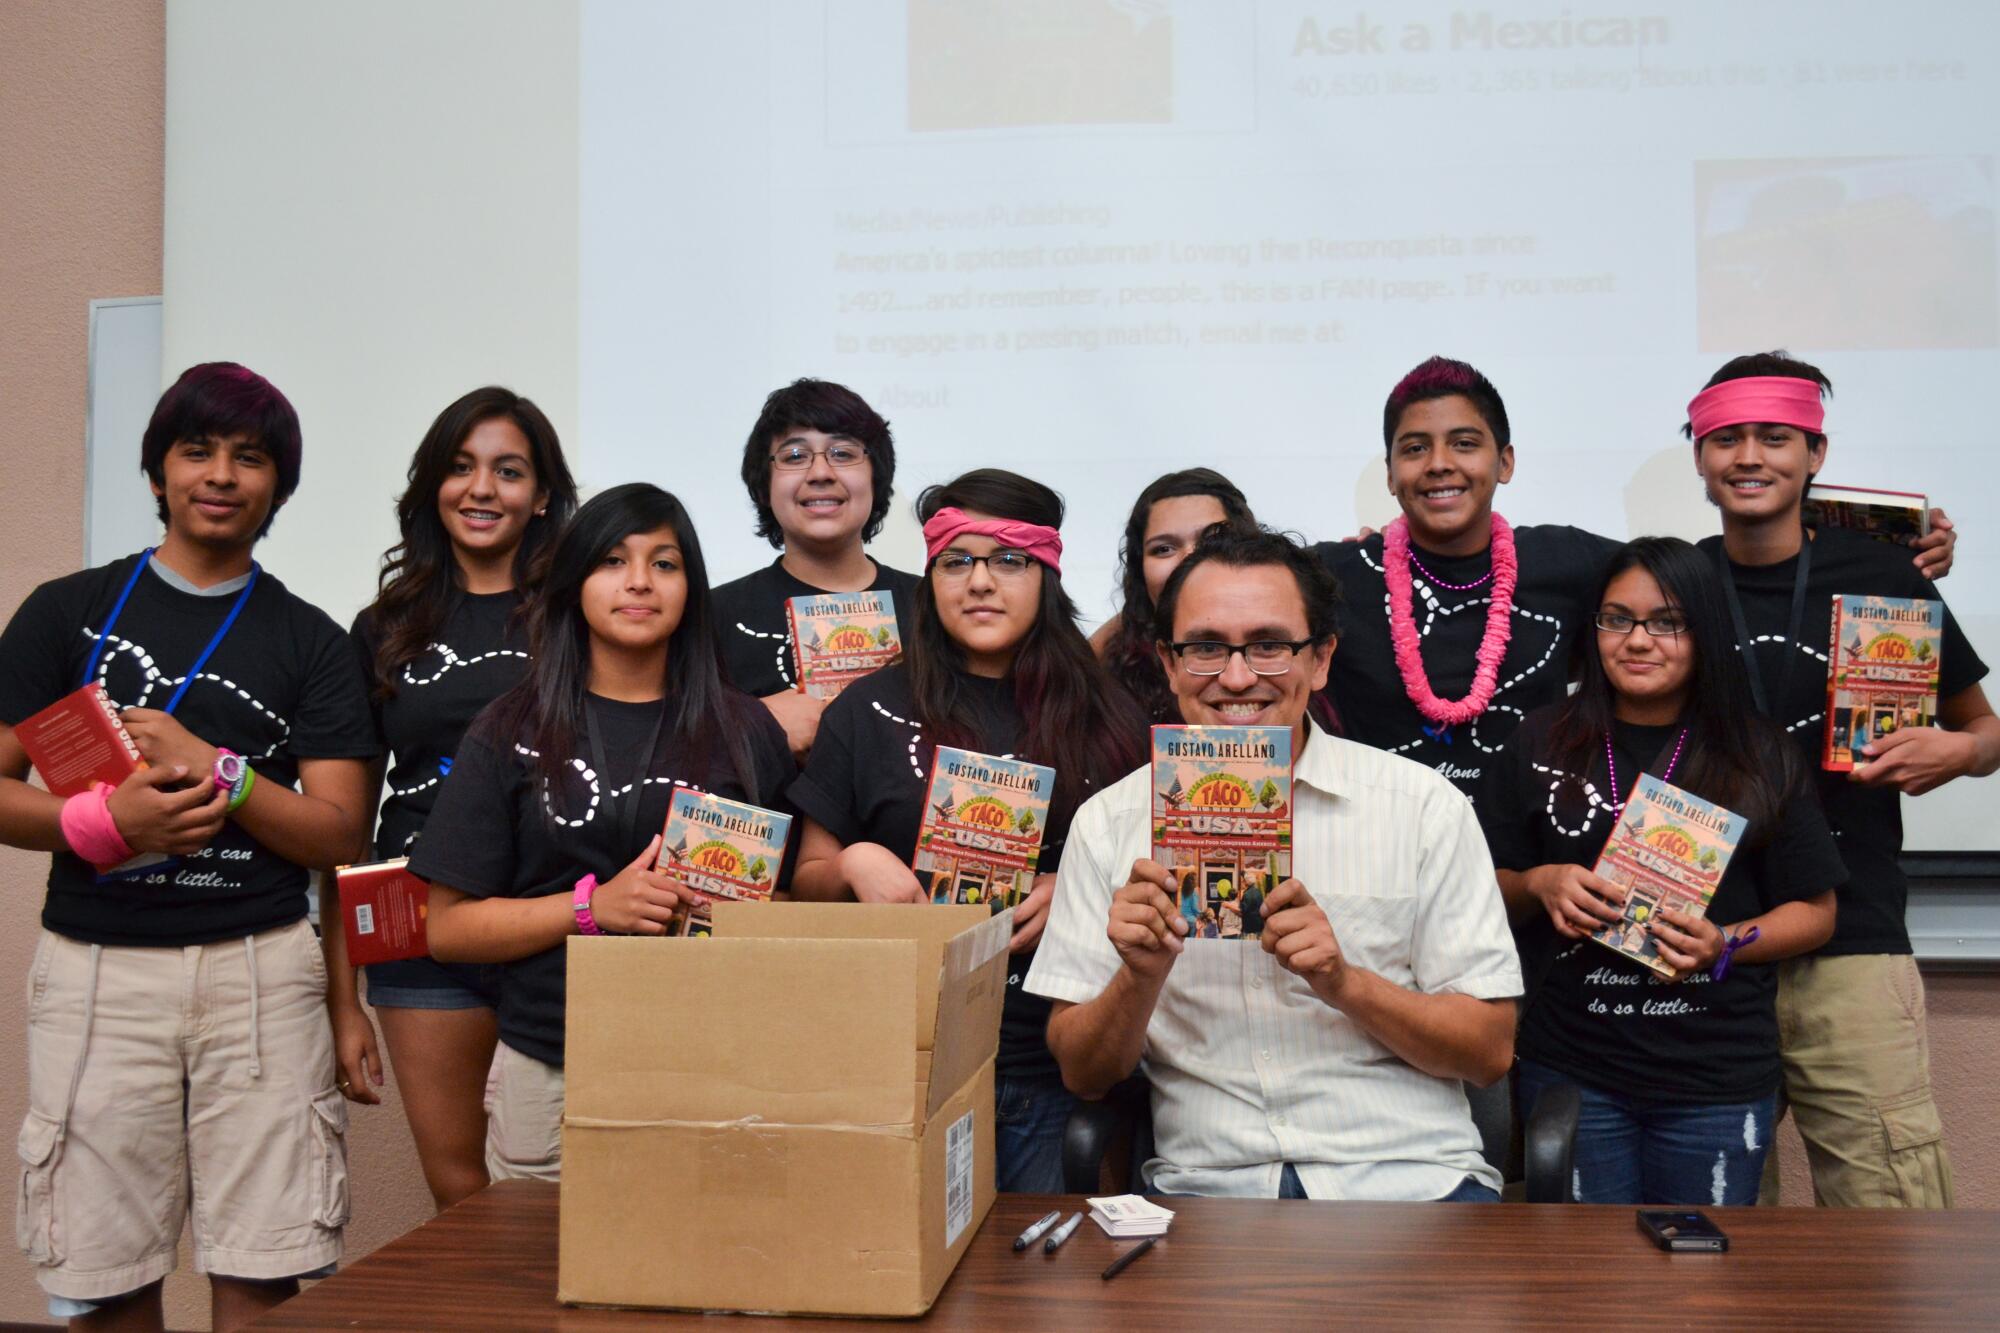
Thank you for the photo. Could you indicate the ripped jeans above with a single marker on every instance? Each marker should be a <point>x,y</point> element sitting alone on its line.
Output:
<point>1678,1154</point>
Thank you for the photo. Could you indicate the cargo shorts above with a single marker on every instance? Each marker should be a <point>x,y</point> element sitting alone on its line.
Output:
<point>168,1085</point>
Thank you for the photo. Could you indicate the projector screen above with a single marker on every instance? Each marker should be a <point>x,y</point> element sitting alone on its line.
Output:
<point>1096,240</point>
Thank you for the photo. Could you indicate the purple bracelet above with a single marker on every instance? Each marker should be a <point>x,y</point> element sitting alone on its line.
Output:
<point>1729,948</point>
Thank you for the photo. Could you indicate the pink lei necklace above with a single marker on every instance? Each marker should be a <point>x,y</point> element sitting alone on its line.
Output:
<point>1408,645</point>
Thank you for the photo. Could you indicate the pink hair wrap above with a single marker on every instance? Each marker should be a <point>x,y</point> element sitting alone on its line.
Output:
<point>1039,540</point>
<point>1780,400</point>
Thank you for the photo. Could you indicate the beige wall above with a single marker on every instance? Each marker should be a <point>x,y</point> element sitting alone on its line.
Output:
<point>81,98</point>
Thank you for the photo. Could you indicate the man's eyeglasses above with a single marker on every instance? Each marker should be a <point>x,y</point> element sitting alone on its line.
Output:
<point>1210,657</point>
<point>1001,564</point>
<point>1664,626</point>
<point>799,457</point>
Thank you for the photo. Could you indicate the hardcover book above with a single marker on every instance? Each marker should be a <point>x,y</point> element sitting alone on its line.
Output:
<point>982,830</point>
<point>1884,672</point>
<point>1222,822</point>
<point>78,740</point>
<point>720,848</point>
<point>383,909</point>
<point>1891,516</point>
<point>839,637</point>
<point>1669,848</point>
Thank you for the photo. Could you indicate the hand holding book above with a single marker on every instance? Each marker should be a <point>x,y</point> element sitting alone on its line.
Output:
<point>1578,900</point>
<point>1146,926</point>
<point>1686,942</point>
<point>1297,933</point>
<point>152,818</point>
<point>878,875</point>
<point>1916,760</point>
<point>638,900</point>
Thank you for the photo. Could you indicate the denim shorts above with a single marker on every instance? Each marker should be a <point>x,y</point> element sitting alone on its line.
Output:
<point>425,983</point>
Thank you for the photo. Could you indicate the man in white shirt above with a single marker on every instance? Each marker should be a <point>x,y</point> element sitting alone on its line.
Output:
<point>1326,1063</point>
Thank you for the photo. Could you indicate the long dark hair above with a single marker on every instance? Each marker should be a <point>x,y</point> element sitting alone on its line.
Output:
<point>1075,718</point>
<point>1734,756</point>
<point>1130,655</point>
<point>420,573</point>
<point>545,711</point>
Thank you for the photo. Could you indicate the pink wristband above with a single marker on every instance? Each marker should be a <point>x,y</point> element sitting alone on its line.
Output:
<point>580,904</point>
<point>90,831</point>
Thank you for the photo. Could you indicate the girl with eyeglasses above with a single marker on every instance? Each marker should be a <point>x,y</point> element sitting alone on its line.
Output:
<point>995,664</point>
<point>1679,1079</point>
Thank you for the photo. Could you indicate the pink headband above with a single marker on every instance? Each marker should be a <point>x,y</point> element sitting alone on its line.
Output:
<point>1778,399</point>
<point>1039,540</point>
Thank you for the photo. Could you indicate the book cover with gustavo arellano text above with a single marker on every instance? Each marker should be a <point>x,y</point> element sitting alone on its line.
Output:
<point>1884,672</point>
<point>1222,823</point>
<point>79,740</point>
<point>1669,848</point>
<point>1891,516</point>
<point>383,911</point>
<point>982,829</point>
<point>720,848</point>
<point>839,637</point>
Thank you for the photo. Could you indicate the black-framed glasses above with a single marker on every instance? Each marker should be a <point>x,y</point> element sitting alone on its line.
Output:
<point>1002,564</point>
<point>1210,657</point>
<point>799,457</point>
<point>1666,625</point>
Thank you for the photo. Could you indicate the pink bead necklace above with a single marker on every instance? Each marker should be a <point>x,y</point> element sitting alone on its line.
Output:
<point>1618,800</point>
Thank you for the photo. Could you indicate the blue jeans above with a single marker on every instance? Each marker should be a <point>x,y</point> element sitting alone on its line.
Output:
<point>1028,1119</point>
<point>1681,1154</point>
<point>1468,1190</point>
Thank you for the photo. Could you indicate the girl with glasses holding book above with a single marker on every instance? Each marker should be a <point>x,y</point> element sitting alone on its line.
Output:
<point>995,664</point>
<point>488,491</point>
<point>549,823</point>
<point>1678,1068</point>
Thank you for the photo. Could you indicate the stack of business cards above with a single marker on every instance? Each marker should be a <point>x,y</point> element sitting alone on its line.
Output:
<point>1127,1215</point>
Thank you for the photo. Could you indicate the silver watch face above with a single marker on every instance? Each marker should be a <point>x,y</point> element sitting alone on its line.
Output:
<point>228,768</point>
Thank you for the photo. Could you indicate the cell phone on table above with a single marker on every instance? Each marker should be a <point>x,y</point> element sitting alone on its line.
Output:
<point>1673,1229</point>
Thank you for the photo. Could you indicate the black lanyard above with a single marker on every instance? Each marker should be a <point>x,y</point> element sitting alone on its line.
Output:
<point>118,609</point>
<point>628,817</point>
<point>1765,704</point>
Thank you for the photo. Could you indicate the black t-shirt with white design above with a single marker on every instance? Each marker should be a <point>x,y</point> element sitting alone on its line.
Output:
<point>477,654</point>
<point>1595,1014</point>
<point>866,780</point>
<point>756,636</point>
<point>1559,571</point>
<point>497,832</point>
<point>1867,821</point>
<point>282,687</point>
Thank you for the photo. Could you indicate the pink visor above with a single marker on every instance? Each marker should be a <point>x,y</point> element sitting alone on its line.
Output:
<point>1780,400</point>
<point>1039,540</point>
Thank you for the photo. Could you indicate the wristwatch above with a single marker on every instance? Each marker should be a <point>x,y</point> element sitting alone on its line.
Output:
<point>232,772</point>
<point>580,904</point>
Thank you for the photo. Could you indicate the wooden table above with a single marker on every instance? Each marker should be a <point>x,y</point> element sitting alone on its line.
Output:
<point>1231,1264</point>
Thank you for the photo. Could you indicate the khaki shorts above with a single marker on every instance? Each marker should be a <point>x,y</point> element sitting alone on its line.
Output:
<point>1858,1078</point>
<point>171,1083</point>
<point>524,1120</point>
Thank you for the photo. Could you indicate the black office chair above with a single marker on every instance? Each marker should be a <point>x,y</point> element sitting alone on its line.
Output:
<point>1541,1158</point>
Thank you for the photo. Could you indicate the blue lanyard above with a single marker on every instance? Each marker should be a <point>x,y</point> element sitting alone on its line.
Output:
<point>118,609</point>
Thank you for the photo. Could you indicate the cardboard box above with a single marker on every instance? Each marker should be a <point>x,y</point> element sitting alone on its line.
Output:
<point>794,1115</point>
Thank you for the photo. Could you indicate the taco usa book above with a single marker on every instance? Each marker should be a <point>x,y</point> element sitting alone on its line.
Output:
<point>1669,848</point>
<point>982,832</point>
<point>1222,822</point>
<point>1891,516</point>
<point>1883,675</point>
<point>720,848</point>
<point>839,637</point>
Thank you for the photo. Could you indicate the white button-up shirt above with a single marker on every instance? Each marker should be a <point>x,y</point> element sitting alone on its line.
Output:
<point>1250,1069</point>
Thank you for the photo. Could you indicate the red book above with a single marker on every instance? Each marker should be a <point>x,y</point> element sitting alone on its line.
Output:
<point>78,740</point>
<point>382,911</point>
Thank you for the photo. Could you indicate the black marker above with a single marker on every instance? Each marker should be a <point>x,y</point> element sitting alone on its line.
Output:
<point>1034,1233</point>
<point>1126,1260</point>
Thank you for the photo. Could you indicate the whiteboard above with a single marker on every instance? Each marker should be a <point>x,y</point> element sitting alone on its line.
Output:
<point>119,516</point>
